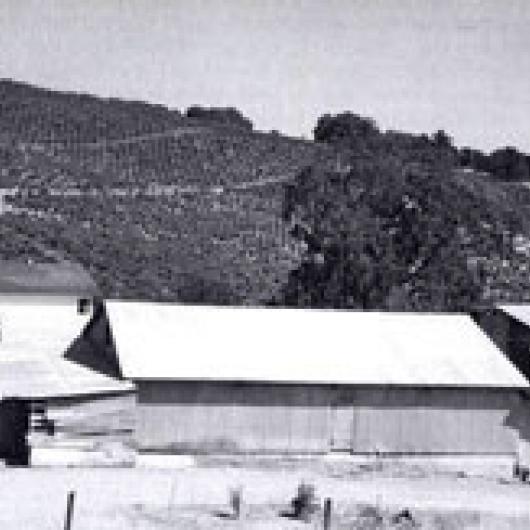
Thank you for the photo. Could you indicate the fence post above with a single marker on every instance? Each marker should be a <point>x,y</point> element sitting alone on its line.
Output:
<point>235,502</point>
<point>69,510</point>
<point>327,514</point>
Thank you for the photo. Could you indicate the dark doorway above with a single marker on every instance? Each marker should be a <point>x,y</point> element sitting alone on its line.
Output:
<point>14,426</point>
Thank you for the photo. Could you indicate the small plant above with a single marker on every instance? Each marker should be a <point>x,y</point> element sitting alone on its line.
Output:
<point>521,472</point>
<point>304,504</point>
<point>369,518</point>
<point>404,518</point>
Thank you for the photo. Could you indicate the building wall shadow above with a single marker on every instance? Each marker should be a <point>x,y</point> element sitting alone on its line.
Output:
<point>95,348</point>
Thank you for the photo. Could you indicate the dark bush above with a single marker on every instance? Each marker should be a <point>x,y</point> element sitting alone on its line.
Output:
<point>304,504</point>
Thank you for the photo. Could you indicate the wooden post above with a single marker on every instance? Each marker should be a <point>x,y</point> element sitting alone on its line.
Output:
<point>235,502</point>
<point>327,514</point>
<point>69,510</point>
<point>171,495</point>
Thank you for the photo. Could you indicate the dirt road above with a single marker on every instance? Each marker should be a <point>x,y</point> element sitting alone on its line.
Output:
<point>144,498</point>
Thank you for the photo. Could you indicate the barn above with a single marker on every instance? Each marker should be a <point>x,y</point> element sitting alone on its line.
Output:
<point>259,380</point>
<point>47,368</point>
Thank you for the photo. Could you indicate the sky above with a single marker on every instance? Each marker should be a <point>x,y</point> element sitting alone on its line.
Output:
<point>414,65</point>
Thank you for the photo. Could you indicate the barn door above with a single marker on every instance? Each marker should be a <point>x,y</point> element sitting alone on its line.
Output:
<point>14,423</point>
<point>342,422</point>
<point>341,429</point>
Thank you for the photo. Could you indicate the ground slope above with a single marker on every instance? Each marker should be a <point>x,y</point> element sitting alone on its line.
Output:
<point>155,205</point>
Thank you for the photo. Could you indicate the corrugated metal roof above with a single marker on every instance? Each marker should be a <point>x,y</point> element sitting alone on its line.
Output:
<point>40,378</point>
<point>519,312</point>
<point>164,341</point>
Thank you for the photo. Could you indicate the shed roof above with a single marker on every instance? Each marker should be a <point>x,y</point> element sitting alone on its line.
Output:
<point>35,335</point>
<point>46,377</point>
<point>166,341</point>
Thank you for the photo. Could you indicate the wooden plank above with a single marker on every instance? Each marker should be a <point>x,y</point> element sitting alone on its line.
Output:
<point>316,418</point>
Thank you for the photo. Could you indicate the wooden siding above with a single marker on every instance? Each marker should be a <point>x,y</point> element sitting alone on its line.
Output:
<point>432,421</point>
<point>246,417</point>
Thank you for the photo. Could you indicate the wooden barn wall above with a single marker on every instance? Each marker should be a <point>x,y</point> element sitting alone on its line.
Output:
<point>433,421</point>
<point>245,417</point>
<point>232,417</point>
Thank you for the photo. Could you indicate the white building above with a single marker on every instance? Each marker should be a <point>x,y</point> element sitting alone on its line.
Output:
<point>248,380</point>
<point>45,312</point>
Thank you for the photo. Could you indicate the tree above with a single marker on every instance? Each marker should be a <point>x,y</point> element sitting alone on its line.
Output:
<point>346,129</point>
<point>221,115</point>
<point>442,139</point>
<point>509,164</point>
<point>382,234</point>
<point>473,158</point>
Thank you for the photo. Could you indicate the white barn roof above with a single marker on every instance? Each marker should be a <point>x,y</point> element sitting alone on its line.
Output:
<point>164,341</point>
<point>39,325</point>
<point>35,333</point>
<point>42,378</point>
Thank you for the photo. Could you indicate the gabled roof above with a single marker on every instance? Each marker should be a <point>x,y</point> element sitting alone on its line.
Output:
<point>48,377</point>
<point>62,279</point>
<point>165,341</point>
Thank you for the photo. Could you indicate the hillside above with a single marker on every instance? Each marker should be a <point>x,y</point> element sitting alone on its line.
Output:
<point>161,204</point>
<point>404,226</point>
<point>154,204</point>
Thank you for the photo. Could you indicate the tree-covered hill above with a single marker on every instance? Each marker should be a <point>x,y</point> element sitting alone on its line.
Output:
<point>196,206</point>
<point>153,203</point>
<point>404,226</point>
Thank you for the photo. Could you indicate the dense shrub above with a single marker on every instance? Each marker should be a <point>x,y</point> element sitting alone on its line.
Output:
<point>223,116</point>
<point>398,228</point>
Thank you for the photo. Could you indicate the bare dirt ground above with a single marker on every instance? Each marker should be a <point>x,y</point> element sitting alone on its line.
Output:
<point>196,498</point>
